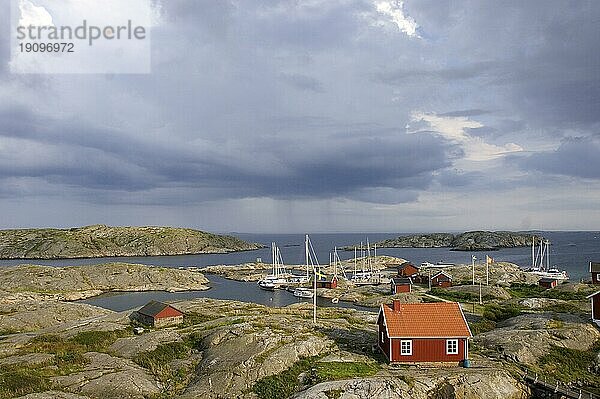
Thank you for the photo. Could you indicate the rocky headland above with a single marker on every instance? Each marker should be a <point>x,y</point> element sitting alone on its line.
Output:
<point>104,241</point>
<point>469,241</point>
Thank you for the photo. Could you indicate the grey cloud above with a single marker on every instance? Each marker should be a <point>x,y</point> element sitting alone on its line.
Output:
<point>466,112</point>
<point>577,157</point>
<point>302,82</point>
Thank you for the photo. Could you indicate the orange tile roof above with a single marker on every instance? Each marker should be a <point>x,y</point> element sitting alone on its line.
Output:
<point>431,320</point>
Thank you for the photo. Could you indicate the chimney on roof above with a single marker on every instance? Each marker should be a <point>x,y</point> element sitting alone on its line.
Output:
<point>397,305</point>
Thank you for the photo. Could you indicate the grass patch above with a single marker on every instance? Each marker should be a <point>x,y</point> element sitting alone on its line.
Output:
<point>563,308</point>
<point>330,371</point>
<point>157,360</point>
<point>15,382</point>
<point>86,341</point>
<point>99,341</point>
<point>458,296</point>
<point>520,290</point>
<point>570,365</point>
<point>496,312</point>
<point>553,324</point>
<point>192,318</point>
<point>308,372</point>
<point>481,326</point>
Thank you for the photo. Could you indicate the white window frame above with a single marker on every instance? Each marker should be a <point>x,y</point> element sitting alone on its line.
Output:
<point>452,343</point>
<point>382,337</point>
<point>406,347</point>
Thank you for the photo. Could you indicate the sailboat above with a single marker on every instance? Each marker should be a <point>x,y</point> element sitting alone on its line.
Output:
<point>365,274</point>
<point>540,260</point>
<point>278,276</point>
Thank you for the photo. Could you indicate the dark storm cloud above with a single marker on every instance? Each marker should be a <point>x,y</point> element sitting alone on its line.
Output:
<point>576,157</point>
<point>387,164</point>
<point>287,99</point>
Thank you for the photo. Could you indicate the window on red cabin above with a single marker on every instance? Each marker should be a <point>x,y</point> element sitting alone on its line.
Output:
<point>452,347</point>
<point>406,347</point>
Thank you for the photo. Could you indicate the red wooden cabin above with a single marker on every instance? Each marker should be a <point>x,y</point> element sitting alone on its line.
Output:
<point>595,298</point>
<point>400,284</point>
<point>423,332</point>
<point>441,279</point>
<point>595,272</point>
<point>407,269</point>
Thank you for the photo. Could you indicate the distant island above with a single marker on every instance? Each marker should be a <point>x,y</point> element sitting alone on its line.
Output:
<point>104,241</point>
<point>469,241</point>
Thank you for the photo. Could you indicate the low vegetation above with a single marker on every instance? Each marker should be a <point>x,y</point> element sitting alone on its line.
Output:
<point>573,366</point>
<point>18,381</point>
<point>458,296</point>
<point>496,312</point>
<point>519,290</point>
<point>159,362</point>
<point>308,372</point>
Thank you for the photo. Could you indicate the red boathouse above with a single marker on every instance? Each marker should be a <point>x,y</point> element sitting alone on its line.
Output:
<point>423,332</point>
<point>158,314</point>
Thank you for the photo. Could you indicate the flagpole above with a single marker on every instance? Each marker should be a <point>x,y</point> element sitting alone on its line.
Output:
<point>473,266</point>
<point>487,270</point>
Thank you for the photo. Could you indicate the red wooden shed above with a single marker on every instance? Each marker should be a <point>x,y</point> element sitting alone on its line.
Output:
<point>423,332</point>
<point>595,298</point>
<point>400,284</point>
<point>441,279</point>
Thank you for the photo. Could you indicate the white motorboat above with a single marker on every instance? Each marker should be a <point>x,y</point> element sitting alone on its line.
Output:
<point>301,292</point>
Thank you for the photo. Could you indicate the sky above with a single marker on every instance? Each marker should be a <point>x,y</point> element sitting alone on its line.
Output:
<point>292,116</point>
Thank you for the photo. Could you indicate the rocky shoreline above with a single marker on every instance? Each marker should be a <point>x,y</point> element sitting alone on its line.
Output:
<point>469,241</point>
<point>101,241</point>
<point>80,282</point>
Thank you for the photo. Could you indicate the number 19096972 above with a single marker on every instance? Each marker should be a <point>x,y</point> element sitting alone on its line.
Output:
<point>47,47</point>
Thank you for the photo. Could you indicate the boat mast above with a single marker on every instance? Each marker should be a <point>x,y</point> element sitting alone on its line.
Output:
<point>274,269</point>
<point>355,261</point>
<point>547,255</point>
<point>533,252</point>
<point>307,256</point>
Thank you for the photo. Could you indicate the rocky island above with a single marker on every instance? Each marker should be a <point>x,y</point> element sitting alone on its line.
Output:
<point>469,241</point>
<point>100,241</point>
